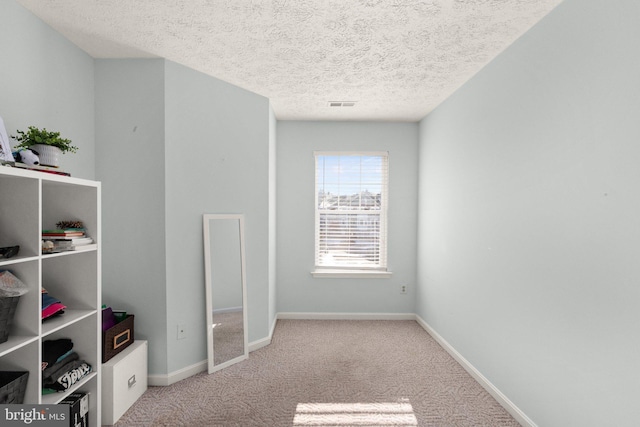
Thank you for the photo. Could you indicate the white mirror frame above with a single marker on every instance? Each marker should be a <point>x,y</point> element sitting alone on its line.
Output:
<point>206,218</point>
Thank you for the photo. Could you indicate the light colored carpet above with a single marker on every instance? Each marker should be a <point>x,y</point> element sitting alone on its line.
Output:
<point>329,373</point>
<point>228,336</point>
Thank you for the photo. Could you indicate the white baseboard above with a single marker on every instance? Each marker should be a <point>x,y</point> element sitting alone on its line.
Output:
<point>481,379</point>
<point>175,376</point>
<point>255,345</point>
<point>346,316</point>
<point>184,373</point>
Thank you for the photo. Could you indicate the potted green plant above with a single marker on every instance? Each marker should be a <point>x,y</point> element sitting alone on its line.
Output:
<point>48,145</point>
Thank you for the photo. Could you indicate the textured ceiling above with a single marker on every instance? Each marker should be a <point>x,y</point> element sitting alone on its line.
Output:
<point>397,59</point>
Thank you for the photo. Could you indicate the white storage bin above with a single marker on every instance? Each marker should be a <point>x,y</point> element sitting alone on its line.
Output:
<point>124,380</point>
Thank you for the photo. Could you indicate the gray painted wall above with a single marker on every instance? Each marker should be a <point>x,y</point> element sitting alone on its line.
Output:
<point>297,290</point>
<point>529,207</point>
<point>273,308</point>
<point>45,81</point>
<point>202,146</point>
<point>217,161</point>
<point>130,162</point>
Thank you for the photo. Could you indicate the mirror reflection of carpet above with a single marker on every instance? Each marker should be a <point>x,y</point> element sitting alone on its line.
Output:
<point>228,336</point>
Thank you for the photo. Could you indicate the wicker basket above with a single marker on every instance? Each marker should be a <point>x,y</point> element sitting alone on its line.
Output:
<point>117,338</point>
<point>7,311</point>
<point>13,384</point>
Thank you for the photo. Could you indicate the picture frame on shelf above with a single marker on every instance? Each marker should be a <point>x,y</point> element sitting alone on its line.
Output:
<point>5,147</point>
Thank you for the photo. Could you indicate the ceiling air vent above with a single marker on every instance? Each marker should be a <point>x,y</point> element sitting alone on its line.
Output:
<point>342,103</point>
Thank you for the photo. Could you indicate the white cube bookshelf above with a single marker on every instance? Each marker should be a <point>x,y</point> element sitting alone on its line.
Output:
<point>31,201</point>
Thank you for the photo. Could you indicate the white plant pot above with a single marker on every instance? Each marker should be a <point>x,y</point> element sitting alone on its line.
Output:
<point>49,155</point>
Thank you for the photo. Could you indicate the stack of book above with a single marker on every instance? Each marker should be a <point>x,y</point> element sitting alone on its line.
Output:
<point>68,239</point>
<point>40,168</point>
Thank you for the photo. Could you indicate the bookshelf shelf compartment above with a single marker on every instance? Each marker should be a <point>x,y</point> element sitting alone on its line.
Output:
<point>4,263</point>
<point>50,326</point>
<point>15,342</point>
<point>79,249</point>
<point>33,201</point>
<point>53,398</point>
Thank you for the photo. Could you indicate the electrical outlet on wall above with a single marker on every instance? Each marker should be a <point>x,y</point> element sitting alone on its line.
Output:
<point>403,289</point>
<point>182,331</point>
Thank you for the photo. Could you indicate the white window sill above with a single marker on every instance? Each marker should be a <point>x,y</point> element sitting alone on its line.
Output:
<point>351,274</point>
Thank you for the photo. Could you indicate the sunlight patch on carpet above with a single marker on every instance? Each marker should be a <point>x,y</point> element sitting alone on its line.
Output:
<point>355,414</point>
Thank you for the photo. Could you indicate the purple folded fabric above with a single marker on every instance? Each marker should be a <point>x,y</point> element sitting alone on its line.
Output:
<point>108,319</point>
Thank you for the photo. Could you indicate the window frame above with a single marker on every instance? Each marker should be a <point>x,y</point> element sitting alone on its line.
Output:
<point>355,270</point>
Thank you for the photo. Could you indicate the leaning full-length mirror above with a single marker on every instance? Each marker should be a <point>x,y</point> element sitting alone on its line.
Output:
<point>227,338</point>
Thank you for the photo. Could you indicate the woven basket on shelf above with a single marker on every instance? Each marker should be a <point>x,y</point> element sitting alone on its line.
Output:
<point>13,385</point>
<point>117,338</point>
<point>7,311</point>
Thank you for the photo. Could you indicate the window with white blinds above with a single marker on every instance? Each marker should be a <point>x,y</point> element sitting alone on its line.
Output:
<point>351,210</point>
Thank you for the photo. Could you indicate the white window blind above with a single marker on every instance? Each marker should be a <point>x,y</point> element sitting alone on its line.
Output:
<point>351,210</point>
